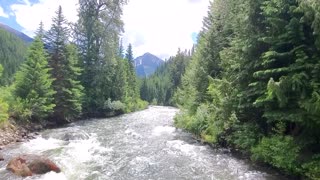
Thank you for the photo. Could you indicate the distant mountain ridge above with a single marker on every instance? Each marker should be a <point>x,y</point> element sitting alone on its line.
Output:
<point>147,64</point>
<point>19,34</point>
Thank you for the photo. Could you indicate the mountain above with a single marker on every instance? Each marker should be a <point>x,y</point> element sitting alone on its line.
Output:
<point>19,34</point>
<point>12,53</point>
<point>147,64</point>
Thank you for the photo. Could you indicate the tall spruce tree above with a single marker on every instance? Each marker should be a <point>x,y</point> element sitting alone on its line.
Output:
<point>133,93</point>
<point>40,31</point>
<point>34,83</point>
<point>129,56</point>
<point>121,50</point>
<point>97,37</point>
<point>65,71</point>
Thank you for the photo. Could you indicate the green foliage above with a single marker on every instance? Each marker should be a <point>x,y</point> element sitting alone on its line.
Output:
<point>65,71</point>
<point>97,38</point>
<point>4,107</point>
<point>262,60</point>
<point>201,124</point>
<point>8,101</point>
<point>245,136</point>
<point>159,88</point>
<point>1,70</point>
<point>279,151</point>
<point>312,168</point>
<point>20,110</point>
<point>117,106</point>
<point>88,77</point>
<point>12,53</point>
<point>33,86</point>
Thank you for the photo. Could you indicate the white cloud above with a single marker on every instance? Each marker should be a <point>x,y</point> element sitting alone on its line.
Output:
<point>2,13</point>
<point>30,15</point>
<point>164,25</point>
<point>156,26</point>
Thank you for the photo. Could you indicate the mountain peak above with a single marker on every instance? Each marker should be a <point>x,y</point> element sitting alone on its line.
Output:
<point>147,64</point>
<point>147,53</point>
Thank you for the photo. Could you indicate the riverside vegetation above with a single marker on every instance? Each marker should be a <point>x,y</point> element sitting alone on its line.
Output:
<point>70,71</point>
<point>252,83</point>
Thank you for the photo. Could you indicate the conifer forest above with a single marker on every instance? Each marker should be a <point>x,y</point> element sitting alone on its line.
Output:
<point>251,83</point>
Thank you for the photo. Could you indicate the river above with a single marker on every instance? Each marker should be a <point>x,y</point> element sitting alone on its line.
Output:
<point>141,146</point>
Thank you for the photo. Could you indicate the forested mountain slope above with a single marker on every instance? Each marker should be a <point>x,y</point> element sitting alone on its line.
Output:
<point>12,53</point>
<point>147,64</point>
<point>160,86</point>
<point>19,34</point>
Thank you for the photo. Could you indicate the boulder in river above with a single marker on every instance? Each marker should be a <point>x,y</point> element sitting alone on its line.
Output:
<point>26,165</point>
<point>1,157</point>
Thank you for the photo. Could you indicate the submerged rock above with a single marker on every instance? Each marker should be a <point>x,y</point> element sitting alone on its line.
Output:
<point>26,165</point>
<point>1,157</point>
<point>75,136</point>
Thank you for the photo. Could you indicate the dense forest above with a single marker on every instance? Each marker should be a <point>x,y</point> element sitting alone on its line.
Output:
<point>12,54</point>
<point>158,89</point>
<point>253,82</point>
<point>71,70</point>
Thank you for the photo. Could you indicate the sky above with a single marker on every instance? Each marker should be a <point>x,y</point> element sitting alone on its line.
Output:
<point>156,26</point>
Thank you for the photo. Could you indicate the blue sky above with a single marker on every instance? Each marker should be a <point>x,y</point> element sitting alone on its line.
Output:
<point>5,11</point>
<point>10,18</point>
<point>156,26</point>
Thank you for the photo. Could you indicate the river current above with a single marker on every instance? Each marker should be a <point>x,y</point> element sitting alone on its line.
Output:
<point>140,146</point>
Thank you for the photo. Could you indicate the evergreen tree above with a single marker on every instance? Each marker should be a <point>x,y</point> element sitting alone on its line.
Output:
<point>159,88</point>
<point>65,71</point>
<point>121,50</point>
<point>34,84</point>
<point>40,31</point>
<point>129,56</point>
<point>97,37</point>
<point>132,94</point>
<point>253,82</point>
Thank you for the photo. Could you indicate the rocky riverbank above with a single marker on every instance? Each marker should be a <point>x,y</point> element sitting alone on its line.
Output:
<point>11,133</point>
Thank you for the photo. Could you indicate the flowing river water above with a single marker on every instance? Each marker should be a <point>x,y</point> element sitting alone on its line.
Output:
<point>139,146</point>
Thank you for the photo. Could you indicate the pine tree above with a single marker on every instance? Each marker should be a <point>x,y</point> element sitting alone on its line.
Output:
<point>121,50</point>
<point>253,82</point>
<point>65,71</point>
<point>97,38</point>
<point>74,89</point>
<point>34,83</point>
<point>133,90</point>
<point>40,31</point>
<point>129,56</point>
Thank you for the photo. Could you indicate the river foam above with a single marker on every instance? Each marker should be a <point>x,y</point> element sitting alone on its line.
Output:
<point>137,146</point>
